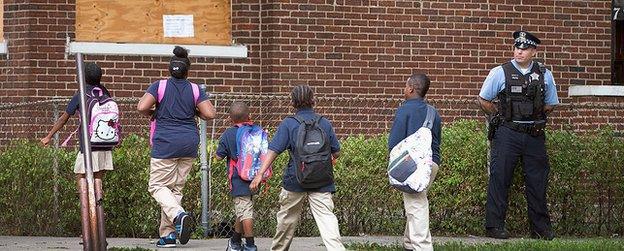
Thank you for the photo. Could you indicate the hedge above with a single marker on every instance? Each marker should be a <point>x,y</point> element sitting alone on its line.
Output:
<point>585,194</point>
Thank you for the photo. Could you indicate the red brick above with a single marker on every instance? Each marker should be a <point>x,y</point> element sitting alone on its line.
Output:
<point>344,49</point>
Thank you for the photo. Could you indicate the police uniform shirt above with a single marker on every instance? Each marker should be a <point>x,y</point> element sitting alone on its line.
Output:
<point>495,83</point>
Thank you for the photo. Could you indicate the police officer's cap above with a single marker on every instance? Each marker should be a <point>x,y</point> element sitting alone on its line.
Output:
<point>523,40</point>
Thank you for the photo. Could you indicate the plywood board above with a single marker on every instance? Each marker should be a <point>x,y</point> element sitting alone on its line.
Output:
<point>141,21</point>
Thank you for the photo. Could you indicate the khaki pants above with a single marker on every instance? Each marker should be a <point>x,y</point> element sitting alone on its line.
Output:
<point>291,206</point>
<point>417,235</point>
<point>243,208</point>
<point>167,179</point>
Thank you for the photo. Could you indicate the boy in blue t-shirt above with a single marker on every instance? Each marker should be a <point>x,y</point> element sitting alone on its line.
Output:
<point>239,188</point>
<point>410,117</point>
<point>293,194</point>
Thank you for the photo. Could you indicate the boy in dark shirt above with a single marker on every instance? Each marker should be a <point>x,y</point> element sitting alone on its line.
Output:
<point>293,194</point>
<point>408,119</point>
<point>239,188</point>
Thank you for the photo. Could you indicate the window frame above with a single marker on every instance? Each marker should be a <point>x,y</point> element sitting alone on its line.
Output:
<point>154,48</point>
<point>126,49</point>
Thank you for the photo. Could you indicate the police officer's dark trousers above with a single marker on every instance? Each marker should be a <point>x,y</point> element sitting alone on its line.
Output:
<point>508,147</point>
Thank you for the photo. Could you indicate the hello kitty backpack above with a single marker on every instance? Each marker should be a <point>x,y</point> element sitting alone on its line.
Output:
<point>103,125</point>
<point>103,114</point>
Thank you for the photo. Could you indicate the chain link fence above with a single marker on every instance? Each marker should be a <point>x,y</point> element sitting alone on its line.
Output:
<point>358,115</point>
<point>349,116</point>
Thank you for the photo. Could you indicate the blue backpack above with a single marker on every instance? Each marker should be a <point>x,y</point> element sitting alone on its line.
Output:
<point>252,146</point>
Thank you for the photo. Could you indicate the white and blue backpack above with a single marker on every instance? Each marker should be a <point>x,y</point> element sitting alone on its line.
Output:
<point>409,169</point>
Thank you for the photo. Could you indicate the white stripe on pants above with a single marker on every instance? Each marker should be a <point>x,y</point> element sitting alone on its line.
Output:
<point>322,207</point>
<point>417,235</point>
<point>167,179</point>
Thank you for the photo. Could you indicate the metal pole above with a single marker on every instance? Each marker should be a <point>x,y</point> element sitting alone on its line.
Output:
<point>87,242</point>
<point>204,169</point>
<point>214,121</point>
<point>55,172</point>
<point>86,152</point>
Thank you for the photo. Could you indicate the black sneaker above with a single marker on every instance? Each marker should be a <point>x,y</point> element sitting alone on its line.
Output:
<point>233,246</point>
<point>545,235</point>
<point>250,247</point>
<point>168,241</point>
<point>497,233</point>
<point>184,226</point>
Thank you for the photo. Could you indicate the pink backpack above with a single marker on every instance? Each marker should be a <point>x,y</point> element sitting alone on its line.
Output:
<point>103,120</point>
<point>162,86</point>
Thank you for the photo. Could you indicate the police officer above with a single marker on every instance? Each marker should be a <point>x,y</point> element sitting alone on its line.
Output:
<point>520,94</point>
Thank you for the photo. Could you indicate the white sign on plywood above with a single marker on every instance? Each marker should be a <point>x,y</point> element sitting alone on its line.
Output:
<point>178,26</point>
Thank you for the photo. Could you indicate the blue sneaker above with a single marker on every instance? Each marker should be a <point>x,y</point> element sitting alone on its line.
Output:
<point>251,247</point>
<point>168,241</point>
<point>233,246</point>
<point>183,225</point>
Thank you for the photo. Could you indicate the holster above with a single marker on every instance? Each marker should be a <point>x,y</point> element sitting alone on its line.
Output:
<point>493,123</point>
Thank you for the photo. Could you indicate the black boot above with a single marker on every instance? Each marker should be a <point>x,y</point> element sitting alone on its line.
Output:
<point>544,235</point>
<point>498,233</point>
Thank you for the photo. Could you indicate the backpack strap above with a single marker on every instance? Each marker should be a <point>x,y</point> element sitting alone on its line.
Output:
<point>162,86</point>
<point>301,120</point>
<point>195,92</point>
<point>430,117</point>
<point>66,141</point>
<point>231,170</point>
<point>97,90</point>
<point>298,118</point>
<point>317,120</point>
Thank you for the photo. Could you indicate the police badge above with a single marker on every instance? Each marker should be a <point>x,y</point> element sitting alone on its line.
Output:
<point>534,77</point>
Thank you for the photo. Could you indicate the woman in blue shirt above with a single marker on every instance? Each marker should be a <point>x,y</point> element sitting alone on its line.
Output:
<point>174,138</point>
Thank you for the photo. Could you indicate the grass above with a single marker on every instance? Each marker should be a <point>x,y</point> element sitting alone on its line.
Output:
<point>520,245</point>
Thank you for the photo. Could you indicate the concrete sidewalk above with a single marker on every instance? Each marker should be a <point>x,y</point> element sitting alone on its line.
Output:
<point>19,243</point>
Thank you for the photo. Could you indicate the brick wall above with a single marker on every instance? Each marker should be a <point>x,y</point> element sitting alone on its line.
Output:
<point>343,48</point>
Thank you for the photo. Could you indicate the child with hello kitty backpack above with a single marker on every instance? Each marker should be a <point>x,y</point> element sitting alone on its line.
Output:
<point>103,128</point>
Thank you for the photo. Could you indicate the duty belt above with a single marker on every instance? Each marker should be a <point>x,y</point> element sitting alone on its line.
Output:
<point>534,129</point>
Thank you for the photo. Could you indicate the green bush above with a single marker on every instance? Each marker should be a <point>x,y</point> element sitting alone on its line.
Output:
<point>585,193</point>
